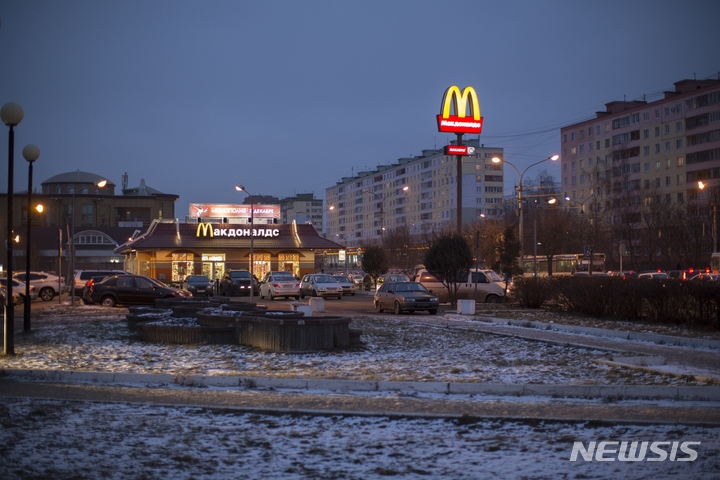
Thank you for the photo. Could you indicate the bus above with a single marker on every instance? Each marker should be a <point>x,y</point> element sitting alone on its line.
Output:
<point>715,262</point>
<point>563,264</point>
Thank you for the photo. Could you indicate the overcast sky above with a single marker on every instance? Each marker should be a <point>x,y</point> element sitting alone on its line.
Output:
<point>287,97</point>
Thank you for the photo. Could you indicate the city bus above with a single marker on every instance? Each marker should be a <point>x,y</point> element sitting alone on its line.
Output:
<point>563,264</point>
<point>715,262</point>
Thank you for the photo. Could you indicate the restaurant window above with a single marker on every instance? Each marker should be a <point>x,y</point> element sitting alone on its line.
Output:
<point>289,262</point>
<point>183,264</point>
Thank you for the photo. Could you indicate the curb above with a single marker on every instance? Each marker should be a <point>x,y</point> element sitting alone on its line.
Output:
<point>602,332</point>
<point>612,392</point>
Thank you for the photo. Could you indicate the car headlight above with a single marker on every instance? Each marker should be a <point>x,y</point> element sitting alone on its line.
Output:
<point>409,299</point>
<point>433,299</point>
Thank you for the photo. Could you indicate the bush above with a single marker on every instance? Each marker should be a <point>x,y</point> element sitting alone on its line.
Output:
<point>533,292</point>
<point>667,301</point>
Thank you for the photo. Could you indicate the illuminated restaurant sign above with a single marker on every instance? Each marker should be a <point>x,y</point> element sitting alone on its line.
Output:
<point>209,230</point>
<point>460,122</point>
<point>215,210</point>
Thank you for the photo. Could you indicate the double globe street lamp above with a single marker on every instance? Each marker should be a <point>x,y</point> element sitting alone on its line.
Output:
<point>381,202</point>
<point>520,191</point>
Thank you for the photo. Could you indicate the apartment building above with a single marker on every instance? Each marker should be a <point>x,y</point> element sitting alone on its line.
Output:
<point>303,208</point>
<point>417,193</point>
<point>636,156</point>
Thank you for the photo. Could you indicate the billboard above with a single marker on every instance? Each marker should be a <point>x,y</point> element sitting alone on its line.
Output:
<point>222,210</point>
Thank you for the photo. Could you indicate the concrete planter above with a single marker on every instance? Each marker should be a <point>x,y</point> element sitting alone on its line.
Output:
<point>168,333</point>
<point>285,333</point>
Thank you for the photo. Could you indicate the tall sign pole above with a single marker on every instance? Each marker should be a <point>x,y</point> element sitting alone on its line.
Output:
<point>454,118</point>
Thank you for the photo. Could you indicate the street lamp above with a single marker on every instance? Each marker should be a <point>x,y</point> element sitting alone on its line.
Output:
<point>551,201</point>
<point>381,202</point>
<point>520,189</point>
<point>31,153</point>
<point>701,186</point>
<point>241,188</point>
<point>71,242</point>
<point>11,114</point>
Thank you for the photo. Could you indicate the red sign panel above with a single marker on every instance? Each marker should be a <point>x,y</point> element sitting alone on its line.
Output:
<point>456,150</point>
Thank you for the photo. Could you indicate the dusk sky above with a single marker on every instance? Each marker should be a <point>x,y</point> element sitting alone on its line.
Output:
<point>288,97</point>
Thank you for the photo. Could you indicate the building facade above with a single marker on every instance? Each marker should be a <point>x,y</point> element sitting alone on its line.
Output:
<point>170,250</point>
<point>417,193</point>
<point>637,161</point>
<point>85,207</point>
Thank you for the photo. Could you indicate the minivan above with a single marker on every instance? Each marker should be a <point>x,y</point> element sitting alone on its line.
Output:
<point>482,285</point>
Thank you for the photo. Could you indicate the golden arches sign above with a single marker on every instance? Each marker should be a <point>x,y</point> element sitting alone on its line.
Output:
<point>204,230</point>
<point>460,122</point>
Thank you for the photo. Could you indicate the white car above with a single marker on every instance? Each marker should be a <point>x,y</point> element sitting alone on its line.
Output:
<point>279,284</point>
<point>320,285</point>
<point>18,288</point>
<point>47,285</point>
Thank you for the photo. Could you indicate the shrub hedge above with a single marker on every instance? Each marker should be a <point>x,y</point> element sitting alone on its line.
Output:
<point>659,301</point>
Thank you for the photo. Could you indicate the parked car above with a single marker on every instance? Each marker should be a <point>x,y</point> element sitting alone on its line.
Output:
<point>320,285</point>
<point>279,284</point>
<point>130,290</point>
<point>596,274</point>
<point>348,287</point>
<point>18,288</point>
<point>654,276</point>
<point>483,285</point>
<point>238,282</point>
<point>391,277</point>
<point>705,277</point>
<point>17,299</point>
<point>625,274</point>
<point>46,284</point>
<point>198,285</point>
<point>405,297</point>
<point>83,276</point>
<point>357,278</point>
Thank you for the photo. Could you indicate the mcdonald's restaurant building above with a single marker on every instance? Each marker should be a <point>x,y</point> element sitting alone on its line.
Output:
<point>170,250</point>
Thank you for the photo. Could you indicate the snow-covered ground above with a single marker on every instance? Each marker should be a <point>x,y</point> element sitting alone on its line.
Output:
<point>44,438</point>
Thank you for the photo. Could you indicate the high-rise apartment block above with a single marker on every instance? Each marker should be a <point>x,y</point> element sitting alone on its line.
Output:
<point>639,153</point>
<point>417,193</point>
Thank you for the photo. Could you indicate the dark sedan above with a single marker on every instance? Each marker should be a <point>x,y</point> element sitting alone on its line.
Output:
<point>131,290</point>
<point>238,282</point>
<point>405,296</point>
<point>198,285</point>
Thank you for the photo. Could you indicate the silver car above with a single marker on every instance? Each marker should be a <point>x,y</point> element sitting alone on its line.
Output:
<point>347,286</point>
<point>279,284</point>
<point>320,285</point>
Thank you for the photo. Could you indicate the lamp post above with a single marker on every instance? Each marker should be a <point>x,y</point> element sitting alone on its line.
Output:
<point>241,188</point>
<point>519,190</point>
<point>71,242</point>
<point>11,114</point>
<point>381,202</point>
<point>30,153</point>
<point>535,242</point>
<point>701,186</point>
